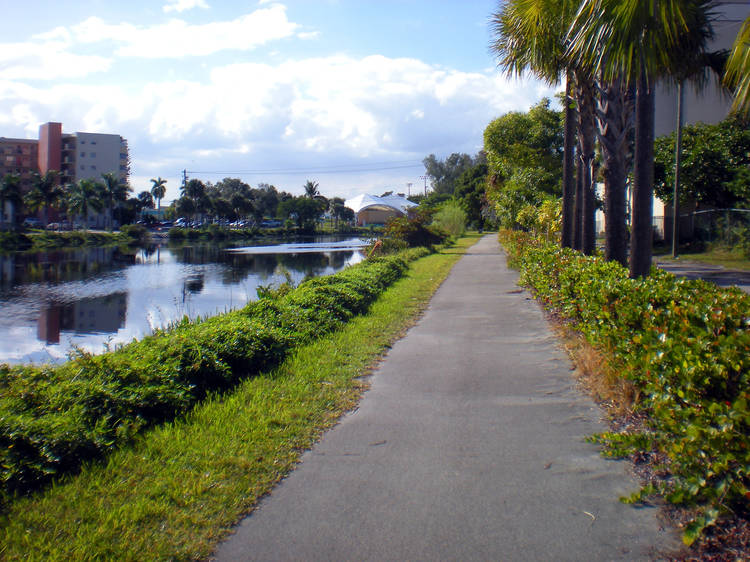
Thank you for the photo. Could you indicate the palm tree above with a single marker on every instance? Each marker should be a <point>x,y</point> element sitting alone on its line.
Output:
<point>530,35</point>
<point>45,193</point>
<point>114,192</point>
<point>641,42</point>
<point>159,190</point>
<point>10,192</point>
<point>145,201</point>
<point>738,70</point>
<point>311,189</point>
<point>84,196</point>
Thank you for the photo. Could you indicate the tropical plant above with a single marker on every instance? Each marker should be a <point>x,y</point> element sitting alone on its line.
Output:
<point>10,192</point>
<point>145,201</point>
<point>45,193</point>
<point>531,35</point>
<point>640,42</point>
<point>738,70</point>
<point>158,190</point>
<point>114,193</point>
<point>311,189</point>
<point>83,197</point>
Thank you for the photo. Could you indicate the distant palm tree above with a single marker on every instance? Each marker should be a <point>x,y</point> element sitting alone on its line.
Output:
<point>159,190</point>
<point>10,192</point>
<point>45,193</point>
<point>145,201</point>
<point>84,196</point>
<point>114,192</point>
<point>311,189</point>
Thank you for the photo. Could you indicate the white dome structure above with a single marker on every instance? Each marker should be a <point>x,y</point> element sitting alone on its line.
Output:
<point>371,209</point>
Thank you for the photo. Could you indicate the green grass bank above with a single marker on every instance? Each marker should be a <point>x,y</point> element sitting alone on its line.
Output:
<point>177,488</point>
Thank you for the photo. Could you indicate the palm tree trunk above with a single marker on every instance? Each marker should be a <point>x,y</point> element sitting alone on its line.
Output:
<point>578,207</point>
<point>677,165</point>
<point>569,186</point>
<point>614,119</point>
<point>586,160</point>
<point>641,236</point>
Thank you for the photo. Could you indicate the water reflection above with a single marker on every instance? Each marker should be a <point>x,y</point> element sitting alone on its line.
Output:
<point>51,302</point>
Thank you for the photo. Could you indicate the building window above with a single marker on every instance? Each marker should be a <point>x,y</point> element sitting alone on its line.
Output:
<point>83,167</point>
<point>93,167</point>
<point>83,154</point>
<point>93,155</point>
<point>83,142</point>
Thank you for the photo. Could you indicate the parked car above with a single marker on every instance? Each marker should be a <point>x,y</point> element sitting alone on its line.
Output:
<point>32,222</point>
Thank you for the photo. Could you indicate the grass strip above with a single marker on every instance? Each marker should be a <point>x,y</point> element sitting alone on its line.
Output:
<point>179,488</point>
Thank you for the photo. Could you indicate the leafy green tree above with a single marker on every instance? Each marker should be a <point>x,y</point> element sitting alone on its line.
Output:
<point>83,197</point>
<point>185,207</point>
<point>714,161</point>
<point>524,159</point>
<point>641,42</point>
<point>158,190</point>
<point>10,192</point>
<point>444,173</point>
<point>303,210</point>
<point>45,193</point>
<point>470,193</point>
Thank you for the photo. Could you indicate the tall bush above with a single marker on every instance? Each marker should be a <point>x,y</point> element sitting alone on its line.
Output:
<point>450,218</point>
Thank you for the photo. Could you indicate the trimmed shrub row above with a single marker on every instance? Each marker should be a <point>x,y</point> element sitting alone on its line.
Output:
<point>684,344</point>
<point>54,418</point>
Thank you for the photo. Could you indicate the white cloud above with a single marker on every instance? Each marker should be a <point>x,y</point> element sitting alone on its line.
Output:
<point>312,112</point>
<point>47,61</point>
<point>183,5</point>
<point>177,38</point>
<point>308,34</point>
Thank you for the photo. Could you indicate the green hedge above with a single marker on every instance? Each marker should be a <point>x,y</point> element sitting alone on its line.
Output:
<point>684,344</point>
<point>54,418</point>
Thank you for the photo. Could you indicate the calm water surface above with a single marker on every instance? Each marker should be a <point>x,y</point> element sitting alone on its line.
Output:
<point>53,302</point>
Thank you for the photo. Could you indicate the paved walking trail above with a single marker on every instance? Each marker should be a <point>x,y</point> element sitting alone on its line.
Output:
<point>469,446</point>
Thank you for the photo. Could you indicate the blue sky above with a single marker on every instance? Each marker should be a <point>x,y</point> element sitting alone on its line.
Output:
<point>350,93</point>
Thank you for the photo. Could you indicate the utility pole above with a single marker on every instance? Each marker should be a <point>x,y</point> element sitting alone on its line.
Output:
<point>184,178</point>
<point>425,184</point>
<point>408,189</point>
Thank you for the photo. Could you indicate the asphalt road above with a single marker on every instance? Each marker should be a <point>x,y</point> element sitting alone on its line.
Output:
<point>717,274</point>
<point>469,446</point>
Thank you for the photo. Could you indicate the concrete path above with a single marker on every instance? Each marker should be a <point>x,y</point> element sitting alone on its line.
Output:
<point>469,446</point>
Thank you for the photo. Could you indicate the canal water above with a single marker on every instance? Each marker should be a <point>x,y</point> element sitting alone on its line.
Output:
<point>54,302</point>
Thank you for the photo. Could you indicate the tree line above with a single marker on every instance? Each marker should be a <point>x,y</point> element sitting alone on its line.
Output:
<point>231,198</point>
<point>109,195</point>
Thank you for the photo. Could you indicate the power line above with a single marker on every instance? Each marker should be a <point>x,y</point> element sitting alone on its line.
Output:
<point>344,169</point>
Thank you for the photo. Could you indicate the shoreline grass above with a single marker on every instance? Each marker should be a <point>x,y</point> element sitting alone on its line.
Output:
<point>178,490</point>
